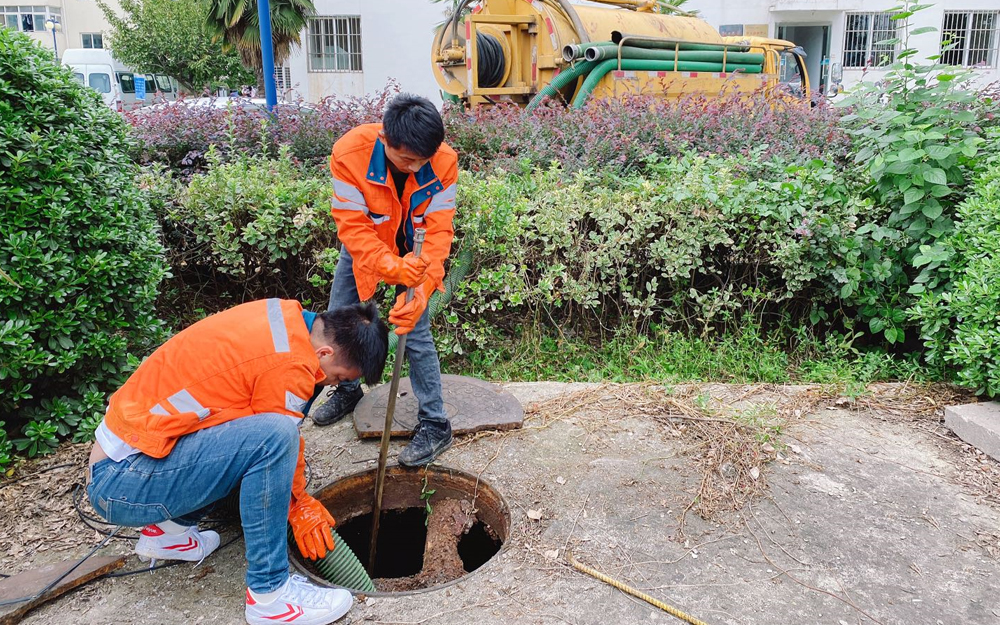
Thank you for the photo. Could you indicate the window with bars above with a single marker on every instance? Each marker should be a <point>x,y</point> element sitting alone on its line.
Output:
<point>92,40</point>
<point>870,39</point>
<point>283,77</point>
<point>970,38</point>
<point>335,44</point>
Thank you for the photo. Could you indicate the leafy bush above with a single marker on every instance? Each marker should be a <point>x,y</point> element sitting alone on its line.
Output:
<point>179,134</point>
<point>624,134</point>
<point>692,244</point>
<point>254,227</point>
<point>918,136</point>
<point>80,262</point>
<point>959,325</point>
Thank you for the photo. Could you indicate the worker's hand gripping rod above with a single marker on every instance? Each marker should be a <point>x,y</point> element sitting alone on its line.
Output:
<point>383,453</point>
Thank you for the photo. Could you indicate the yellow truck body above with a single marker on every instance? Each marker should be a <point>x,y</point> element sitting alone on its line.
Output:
<point>521,47</point>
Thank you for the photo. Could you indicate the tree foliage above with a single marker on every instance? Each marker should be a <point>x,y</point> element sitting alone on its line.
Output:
<point>173,38</point>
<point>235,24</point>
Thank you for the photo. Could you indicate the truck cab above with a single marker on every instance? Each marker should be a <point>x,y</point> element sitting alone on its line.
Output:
<point>782,59</point>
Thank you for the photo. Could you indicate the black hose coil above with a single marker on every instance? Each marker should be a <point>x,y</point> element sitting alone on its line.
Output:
<point>492,64</point>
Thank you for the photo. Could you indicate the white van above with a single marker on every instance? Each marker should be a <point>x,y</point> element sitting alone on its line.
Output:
<point>99,70</point>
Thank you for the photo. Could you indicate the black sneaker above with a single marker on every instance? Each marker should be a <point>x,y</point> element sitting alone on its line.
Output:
<point>430,440</point>
<point>340,404</point>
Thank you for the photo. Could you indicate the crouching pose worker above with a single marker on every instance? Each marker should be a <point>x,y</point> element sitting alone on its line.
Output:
<point>219,406</point>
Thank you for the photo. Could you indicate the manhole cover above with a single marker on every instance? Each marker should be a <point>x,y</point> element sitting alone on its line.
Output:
<point>437,526</point>
<point>472,405</point>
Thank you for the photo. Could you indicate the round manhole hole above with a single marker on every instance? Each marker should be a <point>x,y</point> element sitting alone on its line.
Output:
<point>437,526</point>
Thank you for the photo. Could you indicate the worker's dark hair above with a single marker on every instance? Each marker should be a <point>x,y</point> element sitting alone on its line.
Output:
<point>361,336</point>
<point>413,123</point>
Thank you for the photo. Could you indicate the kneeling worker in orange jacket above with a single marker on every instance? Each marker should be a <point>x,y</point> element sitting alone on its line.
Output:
<point>388,180</point>
<point>217,407</point>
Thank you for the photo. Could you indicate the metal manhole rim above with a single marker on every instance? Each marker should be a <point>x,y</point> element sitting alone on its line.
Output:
<point>299,567</point>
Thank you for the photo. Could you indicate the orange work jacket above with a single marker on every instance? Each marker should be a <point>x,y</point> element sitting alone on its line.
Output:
<point>368,210</point>
<point>252,359</point>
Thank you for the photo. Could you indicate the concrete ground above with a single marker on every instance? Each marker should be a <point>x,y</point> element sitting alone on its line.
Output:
<point>864,521</point>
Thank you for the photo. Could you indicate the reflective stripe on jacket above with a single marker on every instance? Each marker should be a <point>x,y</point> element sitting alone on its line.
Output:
<point>252,359</point>
<point>368,211</point>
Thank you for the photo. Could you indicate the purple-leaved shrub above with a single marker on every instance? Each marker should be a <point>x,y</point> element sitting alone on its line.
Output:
<point>623,134</point>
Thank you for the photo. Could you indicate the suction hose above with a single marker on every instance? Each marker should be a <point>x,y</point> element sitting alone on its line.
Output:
<point>564,78</point>
<point>491,62</point>
<point>604,67</point>
<point>341,567</point>
<point>459,270</point>
<point>602,53</point>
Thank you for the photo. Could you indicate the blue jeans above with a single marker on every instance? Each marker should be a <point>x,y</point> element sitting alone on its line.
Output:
<point>260,451</point>
<point>425,369</point>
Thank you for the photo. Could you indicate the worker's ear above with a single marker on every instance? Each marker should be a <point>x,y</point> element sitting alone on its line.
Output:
<point>325,351</point>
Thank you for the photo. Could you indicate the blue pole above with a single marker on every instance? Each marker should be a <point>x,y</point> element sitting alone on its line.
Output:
<point>267,52</point>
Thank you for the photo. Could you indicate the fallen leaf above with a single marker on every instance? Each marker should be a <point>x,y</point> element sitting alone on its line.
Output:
<point>755,473</point>
<point>535,515</point>
<point>552,554</point>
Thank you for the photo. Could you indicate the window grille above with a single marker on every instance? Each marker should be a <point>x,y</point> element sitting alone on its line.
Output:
<point>335,44</point>
<point>869,39</point>
<point>970,38</point>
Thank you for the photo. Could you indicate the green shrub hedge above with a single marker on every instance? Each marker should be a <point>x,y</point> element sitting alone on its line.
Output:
<point>693,244</point>
<point>961,325</point>
<point>252,228</point>
<point>80,258</point>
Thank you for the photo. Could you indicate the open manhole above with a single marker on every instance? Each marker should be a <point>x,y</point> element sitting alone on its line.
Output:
<point>467,525</point>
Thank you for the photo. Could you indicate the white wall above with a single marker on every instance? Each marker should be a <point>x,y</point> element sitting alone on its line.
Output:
<point>395,40</point>
<point>773,12</point>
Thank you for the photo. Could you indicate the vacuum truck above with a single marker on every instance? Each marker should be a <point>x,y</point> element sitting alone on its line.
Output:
<point>524,51</point>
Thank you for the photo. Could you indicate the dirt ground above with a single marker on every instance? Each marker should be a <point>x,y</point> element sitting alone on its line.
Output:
<point>830,510</point>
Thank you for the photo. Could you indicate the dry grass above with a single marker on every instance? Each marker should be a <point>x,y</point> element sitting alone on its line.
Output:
<point>731,432</point>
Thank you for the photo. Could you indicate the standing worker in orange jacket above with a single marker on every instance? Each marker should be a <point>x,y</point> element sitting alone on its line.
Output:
<point>218,407</point>
<point>389,179</point>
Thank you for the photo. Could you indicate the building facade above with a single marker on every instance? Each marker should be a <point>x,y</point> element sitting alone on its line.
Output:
<point>842,38</point>
<point>349,48</point>
<point>77,23</point>
<point>354,47</point>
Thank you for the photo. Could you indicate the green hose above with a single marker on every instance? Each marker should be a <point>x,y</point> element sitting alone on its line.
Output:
<point>564,78</point>
<point>651,54</point>
<point>641,41</point>
<point>459,270</point>
<point>574,51</point>
<point>341,567</point>
<point>604,67</point>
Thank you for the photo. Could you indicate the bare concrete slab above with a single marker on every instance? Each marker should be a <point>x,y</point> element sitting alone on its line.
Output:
<point>864,523</point>
<point>977,424</point>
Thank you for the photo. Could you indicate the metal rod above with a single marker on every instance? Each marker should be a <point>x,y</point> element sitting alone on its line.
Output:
<point>383,452</point>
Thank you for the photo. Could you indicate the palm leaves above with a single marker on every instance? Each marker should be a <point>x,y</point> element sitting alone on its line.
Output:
<point>234,22</point>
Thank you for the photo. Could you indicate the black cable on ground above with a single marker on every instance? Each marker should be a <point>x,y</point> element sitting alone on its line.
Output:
<point>166,565</point>
<point>53,583</point>
<point>492,64</point>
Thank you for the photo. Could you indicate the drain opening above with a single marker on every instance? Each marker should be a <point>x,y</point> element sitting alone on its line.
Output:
<point>478,546</point>
<point>417,551</point>
<point>401,538</point>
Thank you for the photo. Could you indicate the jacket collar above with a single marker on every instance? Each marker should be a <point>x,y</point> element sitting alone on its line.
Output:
<point>378,168</point>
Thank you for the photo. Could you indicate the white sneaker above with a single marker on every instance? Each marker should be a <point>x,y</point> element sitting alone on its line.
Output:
<point>191,545</point>
<point>300,603</point>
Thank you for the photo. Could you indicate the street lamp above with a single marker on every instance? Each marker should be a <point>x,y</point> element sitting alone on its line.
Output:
<point>50,24</point>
